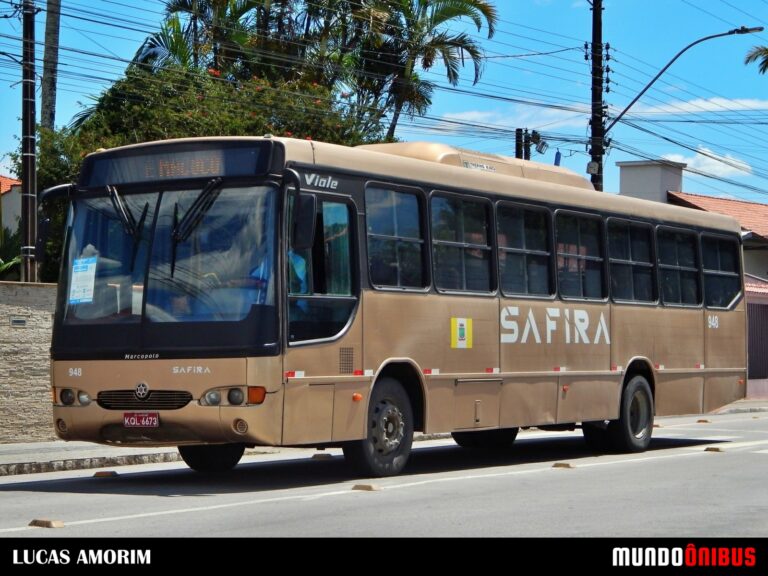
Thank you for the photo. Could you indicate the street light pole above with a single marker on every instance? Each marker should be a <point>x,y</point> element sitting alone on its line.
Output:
<point>742,30</point>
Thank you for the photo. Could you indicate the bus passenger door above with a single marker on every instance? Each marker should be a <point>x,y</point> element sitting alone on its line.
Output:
<point>324,334</point>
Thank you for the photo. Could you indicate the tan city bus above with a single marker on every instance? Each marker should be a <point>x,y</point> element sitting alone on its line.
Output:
<point>223,293</point>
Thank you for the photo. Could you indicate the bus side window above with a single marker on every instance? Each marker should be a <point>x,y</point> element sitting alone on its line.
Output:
<point>396,248</point>
<point>579,256</point>
<point>461,247</point>
<point>631,264</point>
<point>524,250</point>
<point>679,267</point>
<point>721,271</point>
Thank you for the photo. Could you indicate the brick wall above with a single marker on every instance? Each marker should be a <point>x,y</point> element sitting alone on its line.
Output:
<point>26,316</point>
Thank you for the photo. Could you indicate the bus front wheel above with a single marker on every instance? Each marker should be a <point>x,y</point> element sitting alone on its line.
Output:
<point>632,431</point>
<point>385,450</point>
<point>212,457</point>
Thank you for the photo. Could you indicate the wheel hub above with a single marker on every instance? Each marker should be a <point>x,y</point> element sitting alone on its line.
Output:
<point>639,415</point>
<point>389,428</point>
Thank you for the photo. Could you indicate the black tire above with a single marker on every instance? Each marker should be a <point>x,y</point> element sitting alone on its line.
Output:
<point>596,436</point>
<point>212,457</point>
<point>385,451</point>
<point>632,431</point>
<point>500,439</point>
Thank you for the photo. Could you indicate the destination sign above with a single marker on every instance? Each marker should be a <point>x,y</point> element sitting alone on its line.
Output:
<point>161,163</point>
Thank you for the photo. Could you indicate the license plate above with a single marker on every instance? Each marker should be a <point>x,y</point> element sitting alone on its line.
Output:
<point>141,420</point>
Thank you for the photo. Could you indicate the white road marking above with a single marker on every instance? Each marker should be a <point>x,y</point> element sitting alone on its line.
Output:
<point>347,491</point>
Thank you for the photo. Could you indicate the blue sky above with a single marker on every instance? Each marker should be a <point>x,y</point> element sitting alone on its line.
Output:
<point>708,101</point>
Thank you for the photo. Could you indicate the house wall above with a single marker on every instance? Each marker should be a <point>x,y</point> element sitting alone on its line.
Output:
<point>11,208</point>
<point>756,263</point>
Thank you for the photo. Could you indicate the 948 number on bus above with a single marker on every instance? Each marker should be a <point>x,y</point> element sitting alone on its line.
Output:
<point>141,420</point>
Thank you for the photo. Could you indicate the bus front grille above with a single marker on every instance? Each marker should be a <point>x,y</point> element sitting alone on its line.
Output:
<point>155,400</point>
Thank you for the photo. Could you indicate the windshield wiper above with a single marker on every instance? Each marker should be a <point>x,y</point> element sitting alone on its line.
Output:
<point>123,212</point>
<point>182,229</point>
<point>195,213</point>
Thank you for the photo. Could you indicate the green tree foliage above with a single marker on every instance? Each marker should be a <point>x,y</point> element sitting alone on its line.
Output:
<point>366,52</point>
<point>10,255</point>
<point>758,54</point>
<point>171,103</point>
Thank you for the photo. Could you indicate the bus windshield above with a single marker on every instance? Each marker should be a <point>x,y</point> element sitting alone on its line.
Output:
<point>127,261</point>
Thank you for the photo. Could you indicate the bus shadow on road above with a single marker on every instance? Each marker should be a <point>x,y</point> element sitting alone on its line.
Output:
<point>570,449</point>
<point>254,476</point>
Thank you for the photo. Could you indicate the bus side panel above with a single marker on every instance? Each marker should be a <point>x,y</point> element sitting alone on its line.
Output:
<point>308,412</point>
<point>672,340</point>
<point>725,334</point>
<point>588,398</point>
<point>313,370</point>
<point>528,401</point>
<point>476,403</point>
<point>678,394</point>
<point>551,343</point>
<point>722,390</point>
<point>633,333</point>
<point>446,336</point>
<point>679,355</point>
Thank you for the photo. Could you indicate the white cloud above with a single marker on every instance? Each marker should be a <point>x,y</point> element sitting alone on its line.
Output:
<point>735,166</point>
<point>700,105</point>
<point>511,117</point>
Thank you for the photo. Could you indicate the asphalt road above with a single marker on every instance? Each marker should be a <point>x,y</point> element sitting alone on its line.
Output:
<point>698,479</point>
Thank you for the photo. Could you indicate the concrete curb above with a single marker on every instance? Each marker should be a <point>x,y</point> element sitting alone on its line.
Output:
<point>86,463</point>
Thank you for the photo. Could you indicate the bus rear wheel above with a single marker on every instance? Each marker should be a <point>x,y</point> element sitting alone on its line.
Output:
<point>632,431</point>
<point>387,446</point>
<point>212,457</point>
<point>500,439</point>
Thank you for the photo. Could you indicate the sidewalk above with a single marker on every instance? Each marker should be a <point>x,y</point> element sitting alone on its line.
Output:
<point>35,457</point>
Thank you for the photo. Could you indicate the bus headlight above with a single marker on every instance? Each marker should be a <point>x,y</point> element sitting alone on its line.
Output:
<point>212,398</point>
<point>83,398</point>
<point>67,396</point>
<point>235,396</point>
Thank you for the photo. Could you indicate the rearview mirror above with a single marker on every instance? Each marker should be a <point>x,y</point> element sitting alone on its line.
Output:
<point>304,211</point>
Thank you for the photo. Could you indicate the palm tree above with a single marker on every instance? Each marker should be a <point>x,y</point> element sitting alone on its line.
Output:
<point>172,46</point>
<point>758,53</point>
<point>222,25</point>
<point>50,64</point>
<point>419,38</point>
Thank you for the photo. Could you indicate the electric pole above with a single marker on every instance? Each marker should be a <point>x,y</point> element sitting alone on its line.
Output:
<point>597,123</point>
<point>28,147</point>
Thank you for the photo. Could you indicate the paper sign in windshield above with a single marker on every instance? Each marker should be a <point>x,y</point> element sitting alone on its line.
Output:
<point>83,280</point>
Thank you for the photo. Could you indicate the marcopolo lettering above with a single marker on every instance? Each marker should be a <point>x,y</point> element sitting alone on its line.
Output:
<point>321,181</point>
<point>519,327</point>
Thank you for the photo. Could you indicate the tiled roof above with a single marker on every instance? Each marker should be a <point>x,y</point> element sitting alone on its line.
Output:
<point>6,183</point>
<point>752,216</point>
<point>755,285</point>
